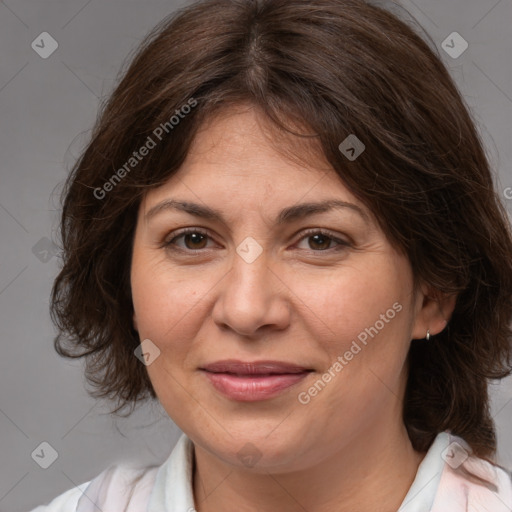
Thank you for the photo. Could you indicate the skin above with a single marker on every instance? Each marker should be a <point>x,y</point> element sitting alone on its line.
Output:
<point>303,300</point>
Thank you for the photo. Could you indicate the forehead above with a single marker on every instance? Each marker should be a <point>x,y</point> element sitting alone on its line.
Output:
<point>240,161</point>
<point>244,135</point>
<point>240,142</point>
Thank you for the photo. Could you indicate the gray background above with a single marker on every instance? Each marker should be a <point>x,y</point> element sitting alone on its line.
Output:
<point>47,107</point>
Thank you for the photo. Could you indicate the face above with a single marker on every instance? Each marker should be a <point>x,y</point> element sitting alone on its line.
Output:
<point>321,297</point>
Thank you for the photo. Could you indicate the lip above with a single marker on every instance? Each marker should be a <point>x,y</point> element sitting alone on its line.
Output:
<point>253,381</point>
<point>253,367</point>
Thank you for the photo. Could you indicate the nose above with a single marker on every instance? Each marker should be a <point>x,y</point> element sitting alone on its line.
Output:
<point>252,298</point>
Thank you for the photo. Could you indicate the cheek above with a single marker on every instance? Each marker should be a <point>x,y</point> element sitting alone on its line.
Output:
<point>365,321</point>
<point>163,297</point>
<point>348,304</point>
<point>167,306</point>
<point>171,306</point>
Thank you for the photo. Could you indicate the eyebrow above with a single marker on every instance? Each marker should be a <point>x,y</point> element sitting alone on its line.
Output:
<point>287,215</point>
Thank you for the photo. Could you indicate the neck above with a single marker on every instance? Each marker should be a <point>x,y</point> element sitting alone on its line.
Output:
<point>371,472</point>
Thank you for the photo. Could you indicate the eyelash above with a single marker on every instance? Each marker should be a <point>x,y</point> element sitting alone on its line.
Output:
<point>342,244</point>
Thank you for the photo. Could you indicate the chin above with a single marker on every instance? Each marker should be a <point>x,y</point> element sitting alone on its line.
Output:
<point>256,450</point>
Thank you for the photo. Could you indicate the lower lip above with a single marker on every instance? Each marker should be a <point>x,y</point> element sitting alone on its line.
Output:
<point>253,388</point>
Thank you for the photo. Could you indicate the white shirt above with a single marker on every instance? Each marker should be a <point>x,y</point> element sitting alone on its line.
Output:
<point>168,488</point>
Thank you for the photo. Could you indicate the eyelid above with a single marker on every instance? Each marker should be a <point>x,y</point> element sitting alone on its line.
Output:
<point>304,234</point>
<point>327,233</point>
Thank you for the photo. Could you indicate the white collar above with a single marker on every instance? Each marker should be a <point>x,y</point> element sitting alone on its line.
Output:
<point>421,494</point>
<point>173,491</point>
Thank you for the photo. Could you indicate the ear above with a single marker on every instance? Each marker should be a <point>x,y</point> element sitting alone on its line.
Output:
<point>433,312</point>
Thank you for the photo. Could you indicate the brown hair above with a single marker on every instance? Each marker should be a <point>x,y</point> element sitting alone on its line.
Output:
<point>339,67</point>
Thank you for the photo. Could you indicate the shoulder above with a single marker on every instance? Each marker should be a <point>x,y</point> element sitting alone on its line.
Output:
<point>66,501</point>
<point>133,488</point>
<point>119,487</point>
<point>470,481</point>
<point>487,484</point>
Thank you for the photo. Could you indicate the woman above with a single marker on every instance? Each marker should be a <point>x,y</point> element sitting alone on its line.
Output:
<point>285,230</point>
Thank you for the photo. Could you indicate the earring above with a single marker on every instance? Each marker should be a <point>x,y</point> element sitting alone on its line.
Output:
<point>427,337</point>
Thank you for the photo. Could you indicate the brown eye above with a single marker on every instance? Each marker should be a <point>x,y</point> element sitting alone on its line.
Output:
<point>193,239</point>
<point>319,241</point>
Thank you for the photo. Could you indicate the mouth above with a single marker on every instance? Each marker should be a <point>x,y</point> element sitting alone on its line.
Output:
<point>253,381</point>
<point>254,368</point>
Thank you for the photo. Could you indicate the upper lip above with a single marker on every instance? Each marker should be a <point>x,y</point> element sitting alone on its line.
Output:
<point>253,367</point>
